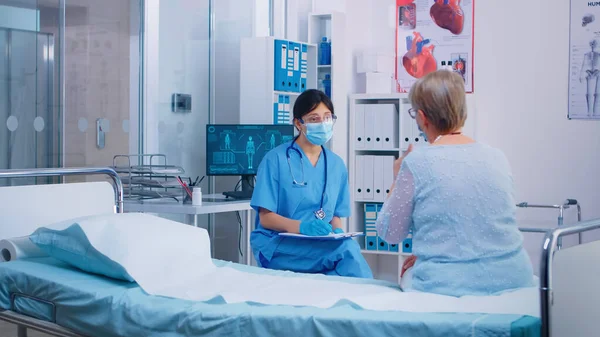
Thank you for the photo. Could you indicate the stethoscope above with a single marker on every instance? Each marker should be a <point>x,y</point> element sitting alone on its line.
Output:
<point>320,213</point>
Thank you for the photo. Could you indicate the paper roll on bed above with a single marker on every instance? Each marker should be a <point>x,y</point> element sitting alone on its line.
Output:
<point>19,248</point>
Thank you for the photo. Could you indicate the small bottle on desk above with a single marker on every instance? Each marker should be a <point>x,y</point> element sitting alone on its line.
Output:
<point>197,196</point>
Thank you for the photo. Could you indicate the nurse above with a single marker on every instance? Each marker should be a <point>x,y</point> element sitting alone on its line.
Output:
<point>301,187</point>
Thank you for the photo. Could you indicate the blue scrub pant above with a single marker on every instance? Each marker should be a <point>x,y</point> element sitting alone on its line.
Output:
<point>332,257</point>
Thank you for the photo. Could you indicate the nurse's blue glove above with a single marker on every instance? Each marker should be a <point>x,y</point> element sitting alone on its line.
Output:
<point>315,227</point>
<point>338,231</point>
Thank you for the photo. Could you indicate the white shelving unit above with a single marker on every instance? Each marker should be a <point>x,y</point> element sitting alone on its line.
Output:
<point>333,26</point>
<point>386,140</point>
<point>385,264</point>
<point>257,79</point>
<point>405,132</point>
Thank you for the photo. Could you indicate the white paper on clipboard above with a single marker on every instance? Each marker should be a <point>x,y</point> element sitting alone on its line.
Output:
<point>340,236</point>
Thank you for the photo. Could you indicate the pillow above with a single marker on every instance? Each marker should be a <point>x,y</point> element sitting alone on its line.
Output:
<point>72,246</point>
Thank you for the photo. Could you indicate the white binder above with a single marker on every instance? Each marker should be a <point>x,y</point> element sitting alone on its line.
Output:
<point>368,193</point>
<point>407,125</point>
<point>359,179</point>
<point>378,179</point>
<point>379,119</point>
<point>388,173</point>
<point>369,126</point>
<point>359,127</point>
<point>390,127</point>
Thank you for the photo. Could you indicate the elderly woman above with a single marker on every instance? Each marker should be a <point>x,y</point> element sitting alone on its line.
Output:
<point>457,196</point>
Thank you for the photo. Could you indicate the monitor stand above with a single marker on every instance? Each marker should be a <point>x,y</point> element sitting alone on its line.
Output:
<point>247,189</point>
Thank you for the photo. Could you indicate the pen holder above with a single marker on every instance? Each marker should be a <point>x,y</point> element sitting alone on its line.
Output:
<point>186,197</point>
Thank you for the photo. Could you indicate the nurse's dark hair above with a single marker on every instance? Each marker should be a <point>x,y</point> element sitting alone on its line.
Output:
<point>310,100</point>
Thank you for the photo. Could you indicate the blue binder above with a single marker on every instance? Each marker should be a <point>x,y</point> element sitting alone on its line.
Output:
<point>382,245</point>
<point>275,111</point>
<point>289,84</point>
<point>281,60</point>
<point>295,49</point>
<point>303,67</point>
<point>280,115</point>
<point>407,245</point>
<point>370,226</point>
<point>286,110</point>
<point>277,108</point>
<point>394,247</point>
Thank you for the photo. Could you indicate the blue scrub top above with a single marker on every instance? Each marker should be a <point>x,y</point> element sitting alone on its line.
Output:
<point>275,191</point>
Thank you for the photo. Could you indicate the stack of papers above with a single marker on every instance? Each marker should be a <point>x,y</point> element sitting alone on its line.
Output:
<point>331,236</point>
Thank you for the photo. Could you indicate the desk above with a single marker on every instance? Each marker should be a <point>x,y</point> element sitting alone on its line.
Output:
<point>169,206</point>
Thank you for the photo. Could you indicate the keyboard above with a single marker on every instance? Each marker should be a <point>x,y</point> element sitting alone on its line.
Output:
<point>239,195</point>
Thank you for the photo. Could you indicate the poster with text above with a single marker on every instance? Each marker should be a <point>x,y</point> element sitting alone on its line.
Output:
<point>433,35</point>
<point>584,60</point>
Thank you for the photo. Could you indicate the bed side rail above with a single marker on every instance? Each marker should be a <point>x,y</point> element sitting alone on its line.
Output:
<point>582,264</point>
<point>568,203</point>
<point>70,171</point>
<point>23,322</point>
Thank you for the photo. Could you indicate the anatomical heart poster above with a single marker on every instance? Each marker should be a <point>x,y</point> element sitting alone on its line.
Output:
<point>584,60</point>
<point>433,35</point>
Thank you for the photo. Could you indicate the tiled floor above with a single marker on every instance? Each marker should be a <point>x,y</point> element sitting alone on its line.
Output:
<point>10,330</point>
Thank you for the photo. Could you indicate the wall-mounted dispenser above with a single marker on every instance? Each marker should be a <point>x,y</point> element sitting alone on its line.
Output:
<point>181,103</point>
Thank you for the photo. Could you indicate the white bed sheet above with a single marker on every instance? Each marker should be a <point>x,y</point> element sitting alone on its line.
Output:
<point>171,259</point>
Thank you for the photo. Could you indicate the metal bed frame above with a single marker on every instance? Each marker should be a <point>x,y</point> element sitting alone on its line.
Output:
<point>72,171</point>
<point>549,247</point>
<point>25,322</point>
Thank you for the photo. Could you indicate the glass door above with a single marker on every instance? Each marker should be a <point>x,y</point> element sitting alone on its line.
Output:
<point>29,132</point>
<point>101,67</point>
<point>69,82</point>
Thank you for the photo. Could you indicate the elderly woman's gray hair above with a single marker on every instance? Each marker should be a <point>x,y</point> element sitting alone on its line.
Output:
<point>441,97</point>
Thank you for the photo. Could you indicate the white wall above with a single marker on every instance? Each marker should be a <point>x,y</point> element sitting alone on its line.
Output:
<point>233,21</point>
<point>177,61</point>
<point>520,98</point>
<point>522,108</point>
<point>183,68</point>
<point>370,26</point>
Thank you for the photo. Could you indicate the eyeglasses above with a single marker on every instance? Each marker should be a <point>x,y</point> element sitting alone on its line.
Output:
<point>413,113</point>
<point>327,119</point>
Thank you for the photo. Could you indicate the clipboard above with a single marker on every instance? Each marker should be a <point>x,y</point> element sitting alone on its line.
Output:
<point>340,236</point>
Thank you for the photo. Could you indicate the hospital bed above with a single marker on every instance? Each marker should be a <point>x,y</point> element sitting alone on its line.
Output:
<point>46,295</point>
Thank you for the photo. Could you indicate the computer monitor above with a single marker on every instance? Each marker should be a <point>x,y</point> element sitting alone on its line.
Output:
<point>237,150</point>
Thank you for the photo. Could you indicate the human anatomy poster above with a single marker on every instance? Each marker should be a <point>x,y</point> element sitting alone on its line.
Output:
<point>433,35</point>
<point>584,60</point>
